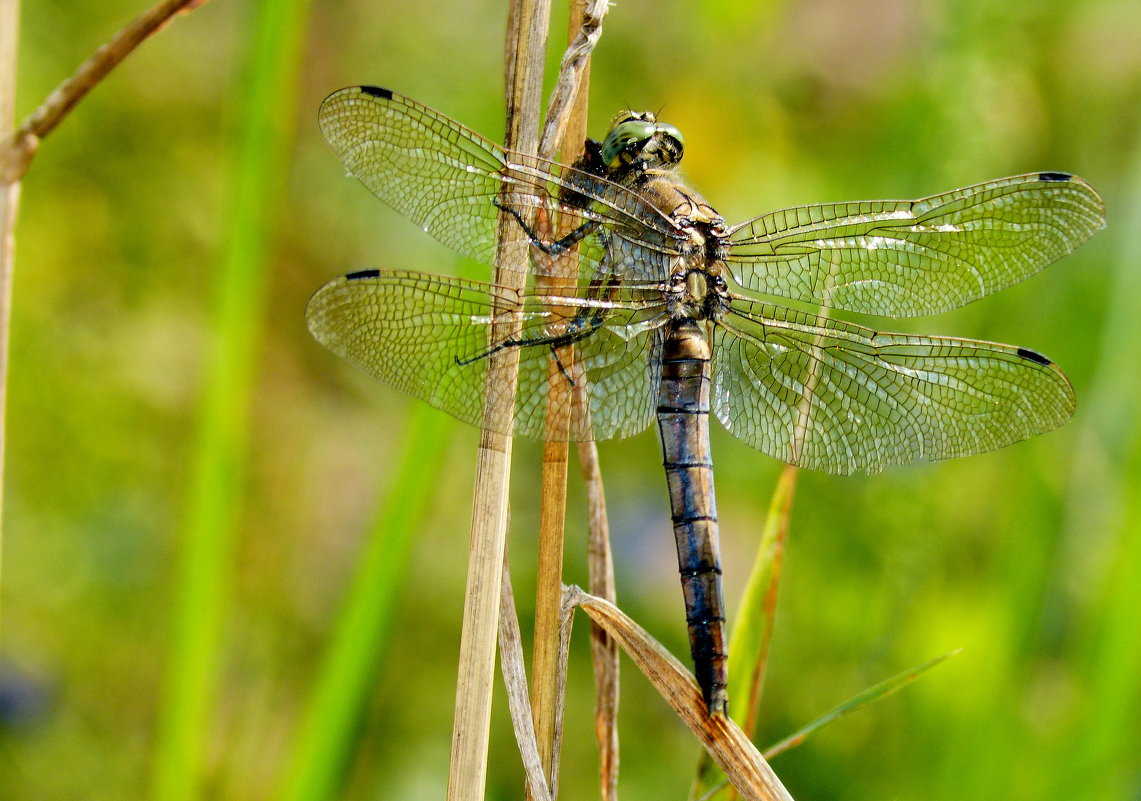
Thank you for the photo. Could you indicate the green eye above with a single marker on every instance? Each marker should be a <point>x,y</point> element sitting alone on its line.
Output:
<point>673,133</point>
<point>631,133</point>
<point>622,135</point>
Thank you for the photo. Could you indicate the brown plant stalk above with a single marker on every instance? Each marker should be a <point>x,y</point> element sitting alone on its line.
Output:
<point>564,132</point>
<point>19,146</point>
<point>526,44</point>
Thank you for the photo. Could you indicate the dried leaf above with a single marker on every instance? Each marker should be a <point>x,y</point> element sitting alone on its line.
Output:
<point>733,752</point>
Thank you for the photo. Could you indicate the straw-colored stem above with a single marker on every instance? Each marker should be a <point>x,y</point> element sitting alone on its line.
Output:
<point>17,152</point>
<point>549,590</point>
<point>9,39</point>
<point>19,146</point>
<point>468,766</point>
<point>603,648</point>
<point>9,206</point>
<point>566,129</point>
<point>515,681</point>
<point>526,41</point>
<point>568,104</point>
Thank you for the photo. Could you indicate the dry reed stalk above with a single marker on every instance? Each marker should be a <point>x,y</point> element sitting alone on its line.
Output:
<point>18,147</point>
<point>526,42</point>
<point>603,647</point>
<point>604,651</point>
<point>564,132</point>
<point>545,688</point>
<point>9,206</point>
<point>515,680</point>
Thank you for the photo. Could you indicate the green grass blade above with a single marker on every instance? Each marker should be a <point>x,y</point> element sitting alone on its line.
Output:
<point>208,531</point>
<point>753,629</point>
<point>873,693</point>
<point>317,766</point>
<point>1104,750</point>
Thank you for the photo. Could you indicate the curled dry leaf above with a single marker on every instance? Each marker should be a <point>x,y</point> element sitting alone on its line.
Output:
<point>733,752</point>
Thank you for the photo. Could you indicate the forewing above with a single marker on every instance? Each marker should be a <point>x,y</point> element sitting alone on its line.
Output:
<point>832,396</point>
<point>447,179</point>
<point>430,337</point>
<point>902,258</point>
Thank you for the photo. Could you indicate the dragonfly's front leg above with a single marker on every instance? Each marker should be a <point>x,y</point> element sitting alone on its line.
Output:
<point>559,246</point>
<point>578,328</point>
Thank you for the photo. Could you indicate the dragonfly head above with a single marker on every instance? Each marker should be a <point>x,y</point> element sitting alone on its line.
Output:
<point>638,141</point>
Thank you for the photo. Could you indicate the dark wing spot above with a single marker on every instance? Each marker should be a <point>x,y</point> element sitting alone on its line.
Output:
<point>376,91</point>
<point>362,274</point>
<point>1033,356</point>
<point>1054,176</point>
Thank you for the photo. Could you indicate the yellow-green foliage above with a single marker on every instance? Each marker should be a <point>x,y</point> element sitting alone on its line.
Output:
<point>1028,559</point>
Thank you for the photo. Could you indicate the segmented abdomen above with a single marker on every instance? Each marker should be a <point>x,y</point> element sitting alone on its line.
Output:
<point>683,420</point>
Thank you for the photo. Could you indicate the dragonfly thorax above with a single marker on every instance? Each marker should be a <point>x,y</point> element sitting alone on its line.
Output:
<point>698,293</point>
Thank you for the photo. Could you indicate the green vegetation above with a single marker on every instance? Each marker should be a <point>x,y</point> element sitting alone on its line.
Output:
<point>1029,559</point>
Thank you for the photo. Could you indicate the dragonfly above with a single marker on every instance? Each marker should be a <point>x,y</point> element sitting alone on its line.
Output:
<point>672,314</point>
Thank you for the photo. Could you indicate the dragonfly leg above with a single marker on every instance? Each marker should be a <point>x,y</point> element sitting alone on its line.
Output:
<point>579,329</point>
<point>562,367</point>
<point>557,247</point>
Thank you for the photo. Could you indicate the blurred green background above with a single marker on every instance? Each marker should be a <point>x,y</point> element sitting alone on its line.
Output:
<point>1028,559</point>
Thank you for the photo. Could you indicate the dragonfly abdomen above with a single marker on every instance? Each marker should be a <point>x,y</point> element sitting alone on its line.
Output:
<point>683,420</point>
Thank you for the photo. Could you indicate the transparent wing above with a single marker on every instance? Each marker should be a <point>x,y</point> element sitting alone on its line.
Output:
<point>832,396</point>
<point>429,336</point>
<point>448,179</point>
<point>902,258</point>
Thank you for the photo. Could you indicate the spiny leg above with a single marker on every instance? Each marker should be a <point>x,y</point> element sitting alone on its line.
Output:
<point>576,331</point>
<point>559,246</point>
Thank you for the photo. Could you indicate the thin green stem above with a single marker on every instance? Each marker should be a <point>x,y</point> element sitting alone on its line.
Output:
<point>210,530</point>
<point>347,674</point>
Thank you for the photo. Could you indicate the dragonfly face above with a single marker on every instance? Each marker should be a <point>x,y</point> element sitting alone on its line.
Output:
<point>667,317</point>
<point>638,143</point>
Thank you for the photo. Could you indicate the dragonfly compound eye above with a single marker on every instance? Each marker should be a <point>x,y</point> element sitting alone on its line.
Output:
<point>625,139</point>
<point>673,138</point>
